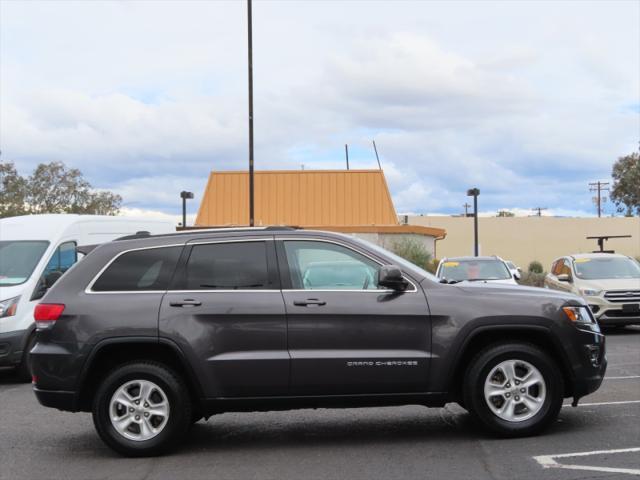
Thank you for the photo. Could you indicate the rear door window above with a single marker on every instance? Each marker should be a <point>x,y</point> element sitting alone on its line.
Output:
<point>139,270</point>
<point>227,266</point>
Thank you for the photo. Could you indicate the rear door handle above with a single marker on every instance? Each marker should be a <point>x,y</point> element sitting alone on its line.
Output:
<point>309,302</point>
<point>186,303</point>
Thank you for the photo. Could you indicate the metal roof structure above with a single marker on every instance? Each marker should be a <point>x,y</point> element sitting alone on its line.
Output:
<point>337,200</point>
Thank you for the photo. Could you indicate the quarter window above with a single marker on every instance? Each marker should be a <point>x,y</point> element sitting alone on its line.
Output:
<point>62,259</point>
<point>227,266</point>
<point>139,270</point>
<point>317,265</point>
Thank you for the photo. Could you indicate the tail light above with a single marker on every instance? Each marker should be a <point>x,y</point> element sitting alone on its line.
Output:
<point>46,314</point>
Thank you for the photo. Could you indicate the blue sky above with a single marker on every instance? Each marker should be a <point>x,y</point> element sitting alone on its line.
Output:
<point>529,101</point>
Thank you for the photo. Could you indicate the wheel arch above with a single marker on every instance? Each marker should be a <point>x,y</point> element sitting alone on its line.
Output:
<point>110,353</point>
<point>483,337</point>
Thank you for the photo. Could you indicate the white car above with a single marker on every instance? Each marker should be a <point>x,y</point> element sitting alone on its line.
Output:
<point>475,269</point>
<point>515,270</point>
<point>610,284</point>
<point>35,250</point>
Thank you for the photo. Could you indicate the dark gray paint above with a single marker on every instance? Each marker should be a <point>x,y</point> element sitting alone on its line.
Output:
<point>257,350</point>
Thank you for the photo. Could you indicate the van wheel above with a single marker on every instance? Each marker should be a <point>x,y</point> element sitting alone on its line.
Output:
<point>142,409</point>
<point>23,370</point>
<point>514,389</point>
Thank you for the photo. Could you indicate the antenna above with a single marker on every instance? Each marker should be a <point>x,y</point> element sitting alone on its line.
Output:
<point>346,153</point>
<point>377,157</point>
<point>602,238</point>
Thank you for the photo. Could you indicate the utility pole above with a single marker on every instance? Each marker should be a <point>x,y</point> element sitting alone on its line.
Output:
<point>474,192</point>
<point>466,209</point>
<point>539,210</point>
<point>250,50</point>
<point>599,187</point>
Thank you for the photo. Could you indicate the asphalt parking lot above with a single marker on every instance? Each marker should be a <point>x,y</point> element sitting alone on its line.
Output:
<point>599,439</point>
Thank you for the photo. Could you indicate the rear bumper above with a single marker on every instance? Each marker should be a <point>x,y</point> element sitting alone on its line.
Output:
<point>61,400</point>
<point>11,346</point>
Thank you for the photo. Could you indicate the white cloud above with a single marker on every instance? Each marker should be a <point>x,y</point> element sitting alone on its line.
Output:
<point>525,100</point>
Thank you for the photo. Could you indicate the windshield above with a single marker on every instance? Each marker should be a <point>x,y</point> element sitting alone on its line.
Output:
<point>18,258</point>
<point>398,260</point>
<point>599,268</point>
<point>473,269</point>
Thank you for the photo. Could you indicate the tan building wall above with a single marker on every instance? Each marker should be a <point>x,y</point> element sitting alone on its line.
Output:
<point>524,239</point>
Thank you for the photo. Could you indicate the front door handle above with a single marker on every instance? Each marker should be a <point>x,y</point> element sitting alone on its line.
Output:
<point>188,302</point>
<point>309,302</point>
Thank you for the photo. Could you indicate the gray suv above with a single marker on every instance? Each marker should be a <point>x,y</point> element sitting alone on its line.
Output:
<point>152,333</point>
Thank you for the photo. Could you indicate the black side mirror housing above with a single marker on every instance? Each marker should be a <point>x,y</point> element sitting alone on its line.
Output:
<point>390,276</point>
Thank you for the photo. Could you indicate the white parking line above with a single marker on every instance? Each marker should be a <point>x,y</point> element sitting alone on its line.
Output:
<point>622,378</point>
<point>596,404</point>
<point>548,461</point>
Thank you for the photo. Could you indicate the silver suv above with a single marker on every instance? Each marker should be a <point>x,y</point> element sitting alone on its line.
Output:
<point>610,284</point>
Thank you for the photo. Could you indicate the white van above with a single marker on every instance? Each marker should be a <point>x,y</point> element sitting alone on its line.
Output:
<point>35,250</point>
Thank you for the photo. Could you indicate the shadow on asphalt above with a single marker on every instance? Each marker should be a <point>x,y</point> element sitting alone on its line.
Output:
<point>628,331</point>
<point>8,377</point>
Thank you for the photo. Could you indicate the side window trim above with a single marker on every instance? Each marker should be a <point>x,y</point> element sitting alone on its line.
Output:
<point>273,274</point>
<point>285,274</point>
<point>89,289</point>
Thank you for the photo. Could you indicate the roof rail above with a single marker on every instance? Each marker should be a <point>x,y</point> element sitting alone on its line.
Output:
<point>141,234</point>
<point>202,231</point>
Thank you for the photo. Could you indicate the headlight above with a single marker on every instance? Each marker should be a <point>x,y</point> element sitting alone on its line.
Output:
<point>8,307</point>
<point>579,315</point>
<point>588,292</point>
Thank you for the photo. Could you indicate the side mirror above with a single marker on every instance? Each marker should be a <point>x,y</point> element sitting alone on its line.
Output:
<point>517,275</point>
<point>390,276</point>
<point>563,277</point>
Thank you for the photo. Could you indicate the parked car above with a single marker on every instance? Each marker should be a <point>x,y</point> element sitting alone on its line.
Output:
<point>609,283</point>
<point>35,250</point>
<point>475,269</point>
<point>151,334</point>
<point>515,270</point>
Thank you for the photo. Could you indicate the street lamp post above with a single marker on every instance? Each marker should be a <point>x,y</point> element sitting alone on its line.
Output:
<point>474,192</point>
<point>184,195</point>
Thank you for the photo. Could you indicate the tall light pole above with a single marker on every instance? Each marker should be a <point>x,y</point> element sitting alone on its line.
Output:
<point>474,192</point>
<point>184,195</point>
<point>250,49</point>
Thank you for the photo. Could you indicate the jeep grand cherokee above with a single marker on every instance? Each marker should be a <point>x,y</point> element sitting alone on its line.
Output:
<point>153,333</point>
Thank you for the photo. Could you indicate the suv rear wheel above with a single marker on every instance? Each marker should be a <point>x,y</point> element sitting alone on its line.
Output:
<point>514,389</point>
<point>142,409</point>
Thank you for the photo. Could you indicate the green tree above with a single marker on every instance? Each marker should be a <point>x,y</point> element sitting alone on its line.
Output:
<point>625,191</point>
<point>12,191</point>
<point>412,250</point>
<point>53,188</point>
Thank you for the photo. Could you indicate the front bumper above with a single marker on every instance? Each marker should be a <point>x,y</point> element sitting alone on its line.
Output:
<point>614,313</point>
<point>11,347</point>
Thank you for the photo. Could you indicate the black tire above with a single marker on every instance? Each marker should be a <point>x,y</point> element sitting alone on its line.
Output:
<point>481,367</point>
<point>23,370</point>
<point>177,395</point>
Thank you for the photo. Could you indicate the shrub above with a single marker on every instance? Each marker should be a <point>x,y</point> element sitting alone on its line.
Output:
<point>531,279</point>
<point>432,266</point>
<point>535,267</point>
<point>412,250</point>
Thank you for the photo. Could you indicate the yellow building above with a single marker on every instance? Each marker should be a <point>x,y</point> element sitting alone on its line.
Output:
<point>349,201</point>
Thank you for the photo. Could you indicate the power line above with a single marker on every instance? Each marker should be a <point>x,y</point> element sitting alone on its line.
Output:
<point>599,187</point>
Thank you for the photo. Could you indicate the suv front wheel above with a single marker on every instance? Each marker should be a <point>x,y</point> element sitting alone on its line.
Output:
<point>514,389</point>
<point>142,409</point>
